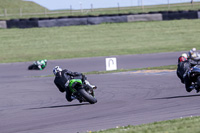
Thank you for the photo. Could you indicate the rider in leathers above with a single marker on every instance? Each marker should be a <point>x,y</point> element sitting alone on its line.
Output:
<point>41,64</point>
<point>184,66</point>
<point>62,78</point>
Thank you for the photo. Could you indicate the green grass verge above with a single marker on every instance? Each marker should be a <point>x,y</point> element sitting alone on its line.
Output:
<point>170,67</point>
<point>19,45</point>
<point>182,125</point>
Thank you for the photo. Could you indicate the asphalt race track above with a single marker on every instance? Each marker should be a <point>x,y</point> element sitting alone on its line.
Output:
<point>32,104</point>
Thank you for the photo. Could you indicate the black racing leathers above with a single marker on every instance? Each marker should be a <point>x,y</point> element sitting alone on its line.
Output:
<point>183,68</point>
<point>61,79</point>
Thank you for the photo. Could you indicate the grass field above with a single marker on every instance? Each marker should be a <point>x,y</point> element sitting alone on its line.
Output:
<point>18,45</point>
<point>14,6</point>
<point>182,125</point>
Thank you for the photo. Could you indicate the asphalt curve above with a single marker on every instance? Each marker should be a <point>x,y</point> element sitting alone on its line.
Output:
<point>33,104</point>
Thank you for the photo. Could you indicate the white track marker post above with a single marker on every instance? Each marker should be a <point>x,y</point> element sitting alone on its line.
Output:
<point>111,64</point>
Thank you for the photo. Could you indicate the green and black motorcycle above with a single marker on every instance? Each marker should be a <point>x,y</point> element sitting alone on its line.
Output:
<point>81,91</point>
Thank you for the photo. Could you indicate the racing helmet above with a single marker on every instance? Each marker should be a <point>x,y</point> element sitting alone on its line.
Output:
<point>194,49</point>
<point>45,60</point>
<point>184,55</point>
<point>192,52</point>
<point>182,58</point>
<point>56,69</point>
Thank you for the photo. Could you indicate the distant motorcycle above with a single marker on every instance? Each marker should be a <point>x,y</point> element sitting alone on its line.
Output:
<point>194,74</point>
<point>38,65</point>
<point>81,92</point>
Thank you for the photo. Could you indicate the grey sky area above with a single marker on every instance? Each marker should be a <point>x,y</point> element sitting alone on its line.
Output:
<point>85,4</point>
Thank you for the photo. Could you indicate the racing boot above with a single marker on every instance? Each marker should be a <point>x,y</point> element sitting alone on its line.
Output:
<point>89,85</point>
<point>196,88</point>
<point>92,93</point>
<point>189,88</point>
<point>188,84</point>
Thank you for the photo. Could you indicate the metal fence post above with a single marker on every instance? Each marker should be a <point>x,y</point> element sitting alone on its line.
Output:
<point>168,5</point>
<point>81,8</point>
<point>71,9</point>
<point>91,7</point>
<point>142,5</point>
<point>118,7</point>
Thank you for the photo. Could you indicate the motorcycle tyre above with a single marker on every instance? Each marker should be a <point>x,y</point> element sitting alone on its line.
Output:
<point>33,67</point>
<point>198,81</point>
<point>87,96</point>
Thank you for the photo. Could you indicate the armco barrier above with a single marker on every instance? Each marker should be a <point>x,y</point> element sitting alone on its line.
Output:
<point>93,20</point>
<point>62,22</point>
<point>106,19</point>
<point>144,17</point>
<point>23,23</point>
<point>180,15</point>
<point>3,24</point>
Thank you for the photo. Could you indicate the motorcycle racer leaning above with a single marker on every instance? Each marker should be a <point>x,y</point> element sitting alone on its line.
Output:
<point>41,64</point>
<point>62,78</point>
<point>184,66</point>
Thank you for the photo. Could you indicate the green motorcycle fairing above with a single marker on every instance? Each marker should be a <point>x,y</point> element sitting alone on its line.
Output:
<point>71,82</point>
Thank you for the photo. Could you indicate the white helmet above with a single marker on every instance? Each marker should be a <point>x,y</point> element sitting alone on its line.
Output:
<point>56,69</point>
<point>193,50</point>
<point>184,55</point>
<point>193,53</point>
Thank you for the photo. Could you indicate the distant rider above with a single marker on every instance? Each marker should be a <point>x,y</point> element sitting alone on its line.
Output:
<point>184,66</point>
<point>62,78</point>
<point>41,64</point>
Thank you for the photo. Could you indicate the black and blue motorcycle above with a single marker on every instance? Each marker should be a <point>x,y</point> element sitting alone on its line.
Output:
<point>194,74</point>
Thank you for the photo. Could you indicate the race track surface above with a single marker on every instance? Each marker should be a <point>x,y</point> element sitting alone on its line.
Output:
<point>33,104</point>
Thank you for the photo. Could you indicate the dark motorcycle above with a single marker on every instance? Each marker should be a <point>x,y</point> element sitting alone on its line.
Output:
<point>194,74</point>
<point>33,66</point>
<point>81,91</point>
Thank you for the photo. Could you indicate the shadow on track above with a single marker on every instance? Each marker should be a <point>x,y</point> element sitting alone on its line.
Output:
<point>60,106</point>
<point>175,97</point>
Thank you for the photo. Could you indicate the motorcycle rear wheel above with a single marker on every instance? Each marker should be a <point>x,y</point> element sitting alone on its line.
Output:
<point>87,96</point>
<point>33,67</point>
